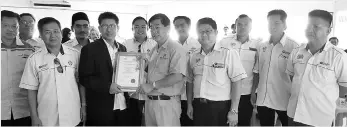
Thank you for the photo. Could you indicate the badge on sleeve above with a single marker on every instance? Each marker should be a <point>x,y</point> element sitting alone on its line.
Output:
<point>300,56</point>
<point>70,62</point>
<point>264,49</point>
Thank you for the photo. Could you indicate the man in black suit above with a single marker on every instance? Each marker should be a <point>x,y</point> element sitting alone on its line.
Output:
<point>95,72</point>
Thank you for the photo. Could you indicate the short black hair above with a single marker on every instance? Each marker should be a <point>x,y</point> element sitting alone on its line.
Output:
<point>27,14</point>
<point>185,18</point>
<point>47,20</point>
<point>244,16</point>
<point>283,14</point>
<point>9,14</point>
<point>333,38</point>
<point>325,15</point>
<point>139,18</point>
<point>233,26</point>
<point>163,19</point>
<point>79,16</point>
<point>108,15</point>
<point>208,21</point>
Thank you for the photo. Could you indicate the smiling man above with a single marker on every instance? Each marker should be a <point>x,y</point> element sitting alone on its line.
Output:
<point>141,43</point>
<point>166,71</point>
<point>14,100</point>
<point>49,76</point>
<point>97,63</point>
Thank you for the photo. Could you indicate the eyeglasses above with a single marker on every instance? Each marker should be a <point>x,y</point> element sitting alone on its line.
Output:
<point>111,26</point>
<point>27,22</point>
<point>7,26</point>
<point>59,68</point>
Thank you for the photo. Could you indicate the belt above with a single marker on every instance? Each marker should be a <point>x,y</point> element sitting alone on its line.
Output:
<point>204,100</point>
<point>161,97</point>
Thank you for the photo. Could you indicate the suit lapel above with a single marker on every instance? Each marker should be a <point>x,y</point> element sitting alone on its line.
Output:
<point>104,50</point>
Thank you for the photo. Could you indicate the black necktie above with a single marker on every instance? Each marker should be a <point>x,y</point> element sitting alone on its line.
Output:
<point>139,51</point>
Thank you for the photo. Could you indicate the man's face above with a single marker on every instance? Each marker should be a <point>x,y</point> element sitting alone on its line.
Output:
<point>26,25</point>
<point>140,29</point>
<point>275,25</point>
<point>243,26</point>
<point>317,30</point>
<point>158,31</point>
<point>206,34</point>
<point>9,28</point>
<point>51,34</point>
<point>81,29</point>
<point>334,42</point>
<point>108,29</point>
<point>182,27</point>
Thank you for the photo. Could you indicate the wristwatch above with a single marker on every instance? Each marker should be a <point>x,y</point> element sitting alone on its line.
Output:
<point>154,87</point>
<point>233,111</point>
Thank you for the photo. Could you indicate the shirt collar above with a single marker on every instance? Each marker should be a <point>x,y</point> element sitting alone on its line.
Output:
<point>108,45</point>
<point>325,47</point>
<point>283,39</point>
<point>216,47</point>
<point>62,52</point>
<point>134,39</point>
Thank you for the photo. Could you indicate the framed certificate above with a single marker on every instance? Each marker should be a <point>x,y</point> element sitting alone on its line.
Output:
<point>129,71</point>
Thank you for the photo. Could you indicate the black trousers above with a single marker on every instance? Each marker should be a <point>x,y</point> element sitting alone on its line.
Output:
<point>185,120</point>
<point>25,121</point>
<point>210,113</point>
<point>267,116</point>
<point>245,111</point>
<point>134,110</point>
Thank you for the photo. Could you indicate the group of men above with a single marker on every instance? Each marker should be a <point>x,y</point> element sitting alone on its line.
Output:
<point>188,82</point>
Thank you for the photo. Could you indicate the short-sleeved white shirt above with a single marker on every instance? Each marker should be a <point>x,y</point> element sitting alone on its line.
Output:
<point>274,83</point>
<point>191,46</point>
<point>316,81</point>
<point>58,96</point>
<point>248,55</point>
<point>213,73</point>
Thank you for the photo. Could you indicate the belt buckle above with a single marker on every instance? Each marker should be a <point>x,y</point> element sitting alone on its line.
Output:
<point>203,100</point>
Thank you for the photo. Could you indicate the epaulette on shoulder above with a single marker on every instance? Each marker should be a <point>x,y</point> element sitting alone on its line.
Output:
<point>36,52</point>
<point>72,49</point>
<point>339,50</point>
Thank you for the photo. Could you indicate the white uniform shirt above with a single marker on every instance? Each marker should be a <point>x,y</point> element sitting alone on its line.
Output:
<point>274,84</point>
<point>316,81</point>
<point>58,96</point>
<point>146,47</point>
<point>191,46</point>
<point>213,73</point>
<point>248,55</point>
<point>74,43</point>
<point>13,98</point>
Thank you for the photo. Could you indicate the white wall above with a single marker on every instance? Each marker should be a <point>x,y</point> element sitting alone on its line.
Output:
<point>125,12</point>
<point>340,22</point>
<point>225,13</point>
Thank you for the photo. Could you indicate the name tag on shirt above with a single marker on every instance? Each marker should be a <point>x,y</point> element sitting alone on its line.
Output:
<point>218,65</point>
<point>252,49</point>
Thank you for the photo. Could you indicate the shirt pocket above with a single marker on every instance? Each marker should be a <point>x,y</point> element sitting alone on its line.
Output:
<point>248,55</point>
<point>218,76</point>
<point>282,61</point>
<point>324,75</point>
<point>162,65</point>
